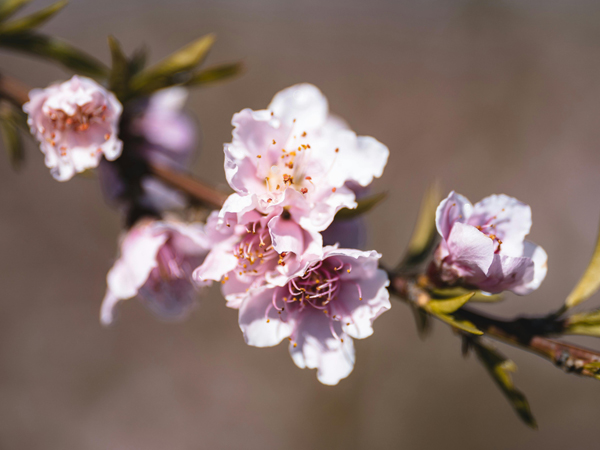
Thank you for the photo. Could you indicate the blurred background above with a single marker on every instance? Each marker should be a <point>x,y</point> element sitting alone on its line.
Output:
<point>488,96</point>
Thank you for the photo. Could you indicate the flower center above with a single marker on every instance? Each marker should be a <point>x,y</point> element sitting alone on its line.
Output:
<point>255,252</point>
<point>79,121</point>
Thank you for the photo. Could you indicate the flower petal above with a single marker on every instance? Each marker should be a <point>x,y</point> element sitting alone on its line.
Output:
<point>540,260</point>
<point>454,208</point>
<point>303,103</point>
<point>254,313</point>
<point>360,312</point>
<point>317,348</point>
<point>470,248</point>
<point>511,220</point>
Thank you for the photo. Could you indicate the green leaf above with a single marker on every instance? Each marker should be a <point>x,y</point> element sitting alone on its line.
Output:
<point>119,74</point>
<point>214,74</point>
<point>10,7</point>
<point>424,236</point>
<point>33,20</point>
<point>10,136</point>
<point>448,306</point>
<point>589,282</point>
<point>594,368</point>
<point>463,325</point>
<point>500,369</point>
<point>164,73</point>
<point>138,60</point>
<point>478,296</point>
<point>56,50</point>
<point>364,205</point>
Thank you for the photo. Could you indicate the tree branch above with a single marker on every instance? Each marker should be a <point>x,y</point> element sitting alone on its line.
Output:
<point>529,334</point>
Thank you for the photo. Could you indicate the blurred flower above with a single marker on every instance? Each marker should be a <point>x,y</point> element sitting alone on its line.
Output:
<point>156,263</point>
<point>484,246</point>
<point>295,154</point>
<point>320,309</point>
<point>245,254</point>
<point>169,134</point>
<point>76,122</point>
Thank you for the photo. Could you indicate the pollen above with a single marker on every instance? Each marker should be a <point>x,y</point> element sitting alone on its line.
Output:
<point>274,142</point>
<point>304,190</point>
<point>304,134</point>
<point>333,189</point>
<point>259,156</point>
<point>337,150</point>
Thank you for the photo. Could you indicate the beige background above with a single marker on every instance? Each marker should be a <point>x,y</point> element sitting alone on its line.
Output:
<point>488,96</point>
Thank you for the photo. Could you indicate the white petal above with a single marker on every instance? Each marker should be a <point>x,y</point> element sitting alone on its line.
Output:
<point>253,320</point>
<point>303,103</point>
<point>454,208</point>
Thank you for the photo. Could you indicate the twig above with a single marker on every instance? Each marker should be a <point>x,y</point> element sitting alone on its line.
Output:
<point>529,334</point>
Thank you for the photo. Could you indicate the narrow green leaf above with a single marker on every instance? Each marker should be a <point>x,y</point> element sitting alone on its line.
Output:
<point>214,74</point>
<point>364,205</point>
<point>138,60</point>
<point>500,369</point>
<point>448,306</point>
<point>424,235</point>
<point>478,296</point>
<point>33,20</point>
<point>56,50</point>
<point>584,330</point>
<point>119,74</point>
<point>164,73</point>
<point>10,7</point>
<point>11,138</point>
<point>589,282</point>
<point>463,325</point>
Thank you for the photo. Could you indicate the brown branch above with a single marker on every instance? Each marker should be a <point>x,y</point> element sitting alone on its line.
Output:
<point>191,186</point>
<point>529,334</point>
<point>13,90</point>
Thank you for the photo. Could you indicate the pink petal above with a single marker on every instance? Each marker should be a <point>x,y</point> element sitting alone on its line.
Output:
<point>253,320</point>
<point>454,208</point>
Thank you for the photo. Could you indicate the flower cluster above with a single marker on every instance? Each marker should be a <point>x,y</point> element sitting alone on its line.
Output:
<point>292,167</point>
<point>275,243</point>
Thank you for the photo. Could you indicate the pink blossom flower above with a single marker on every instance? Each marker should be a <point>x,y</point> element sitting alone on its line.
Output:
<point>255,250</point>
<point>156,263</point>
<point>484,246</point>
<point>169,133</point>
<point>320,309</point>
<point>76,122</point>
<point>295,154</point>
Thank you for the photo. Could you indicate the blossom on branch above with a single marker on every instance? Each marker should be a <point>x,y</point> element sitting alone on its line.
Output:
<point>76,122</point>
<point>156,263</point>
<point>296,155</point>
<point>246,255</point>
<point>320,309</point>
<point>484,246</point>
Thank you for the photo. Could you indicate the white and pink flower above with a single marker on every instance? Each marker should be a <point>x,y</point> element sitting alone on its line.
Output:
<point>320,309</point>
<point>76,122</point>
<point>296,155</point>
<point>254,250</point>
<point>484,246</point>
<point>156,264</point>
